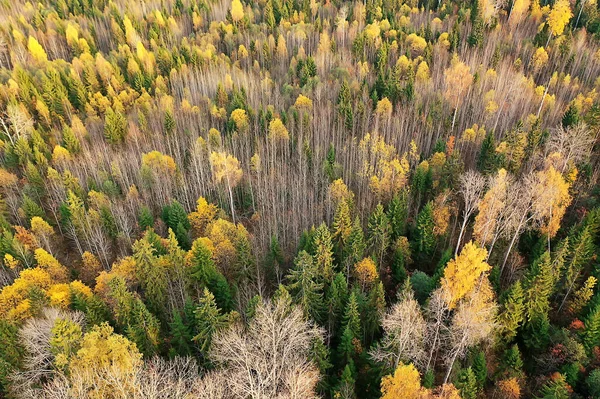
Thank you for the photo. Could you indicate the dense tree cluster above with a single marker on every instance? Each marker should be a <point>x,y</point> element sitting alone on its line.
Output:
<point>299,199</point>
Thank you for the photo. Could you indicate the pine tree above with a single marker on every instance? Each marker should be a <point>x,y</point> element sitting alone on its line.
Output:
<point>512,363</point>
<point>305,287</point>
<point>480,369</point>
<point>342,227</point>
<point>397,214</point>
<point>181,336</point>
<point>209,321</point>
<point>152,276</point>
<point>467,384</point>
<point>115,126</point>
<point>323,257</point>
<point>555,388</point>
<point>379,232</point>
<point>346,387</point>
<point>345,105</point>
<point>204,271</point>
<point>356,245</point>
<point>571,116</point>
<point>269,17</point>
<point>487,162</point>
<point>513,314</point>
<point>424,241</point>
<point>375,310</point>
<point>337,295</point>
<point>352,316</point>
<point>145,218</point>
<point>591,333</point>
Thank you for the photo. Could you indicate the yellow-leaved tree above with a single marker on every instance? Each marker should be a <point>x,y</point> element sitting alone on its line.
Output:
<point>559,17</point>
<point>462,273</point>
<point>226,168</point>
<point>458,79</point>
<point>106,364</point>
<point>405,383</point>
<point>237,11</point>
<point>551,199</point>
<point>36,50</point>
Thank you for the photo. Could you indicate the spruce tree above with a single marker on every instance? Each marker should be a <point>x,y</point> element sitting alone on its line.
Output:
<point>397,214</point>
<point>379,233</point>
<point>304,286</point>
<point>591,333</point>
<point>513,313</point>
<point>487,160</point>
<point>209,321</point>
<point>424,240</point>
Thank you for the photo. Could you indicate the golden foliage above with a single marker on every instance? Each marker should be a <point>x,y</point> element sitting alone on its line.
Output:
<point>462,273</point>
<point>106,364</point>
<point>237,10</point>
<point>559,17</point>
<point>405,383</point>
<point>205,213</point>
<point>509,388</point>
<point>36,50</point>
<point>540,58</point>
<point>240,118</point>
<point>366,272</point>
<point>226,167</point>
<point>278,131</point>
<point>458,78</point>
<point>551,199</point>
<point>416,44</point>
<point>47,262</point>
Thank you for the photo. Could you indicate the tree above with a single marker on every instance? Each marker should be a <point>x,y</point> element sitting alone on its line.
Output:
<point>472,186</point>
<point>472,323</point>
<point>513,313</point>
<point>555,388</point>
<point>336,298</point>
<point>305,287</point>
<point>404,383</point>
<point>467,384</point>
<point>591,334</point>
<point>398,213</point>
<point>463,273</point>
<point>458,79</point>
<point>356,245</point>
<point>105,364</point>
<point>237,11</point>
<point>226,168</point>
<point>115,126</point>
<point>283,369</point>
<point>379,231</point>
<point>424,242</point>
<point>204,271</point>
<point>208,321</point>
<point>366,273</point>
<point>342,227</point>
<point>404,330</point>
<point>559,17</point>
<point>36,50</point>
<point>323,257</point>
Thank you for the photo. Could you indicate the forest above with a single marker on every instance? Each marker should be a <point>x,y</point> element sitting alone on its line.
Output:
<point>295,199</point>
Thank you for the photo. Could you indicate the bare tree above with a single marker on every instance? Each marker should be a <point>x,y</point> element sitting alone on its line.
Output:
<point>269,358</point>
<point>404,333</point>
<point>472,323</point>
<point>437,314</point>
<point>574,143</point>
<point>472,186</point>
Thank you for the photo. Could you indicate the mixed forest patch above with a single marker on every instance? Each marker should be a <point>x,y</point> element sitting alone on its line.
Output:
<point>299,199</point>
